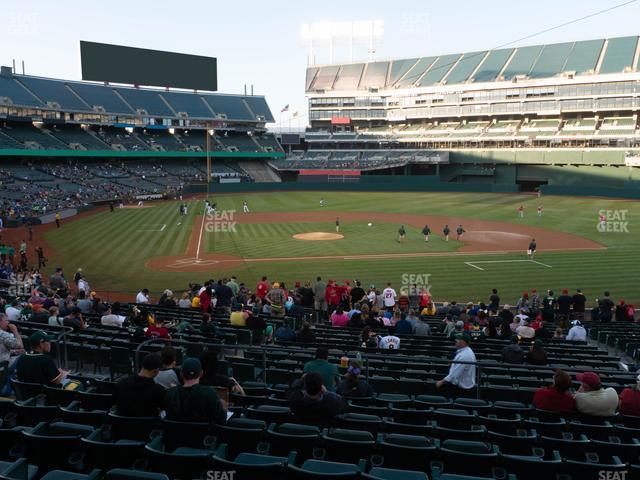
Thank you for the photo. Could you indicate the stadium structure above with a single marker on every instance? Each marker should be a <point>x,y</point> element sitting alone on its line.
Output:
<point>67,137</point>
<point>517,118</point>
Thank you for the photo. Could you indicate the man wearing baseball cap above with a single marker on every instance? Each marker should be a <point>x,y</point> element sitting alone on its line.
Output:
<point>37,366</point>
<point>592,399</point>
<point>461,381</point>
<point>193,402</point>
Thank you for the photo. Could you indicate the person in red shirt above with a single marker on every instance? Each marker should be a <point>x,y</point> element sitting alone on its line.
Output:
<point>345,294</point>
<point>556,397</point>
<point>630,400</point>
<point>425,298</point>
<point>157,330</point>
<point>205,300</point>
<point>262,288</point>
<point>332,296</point>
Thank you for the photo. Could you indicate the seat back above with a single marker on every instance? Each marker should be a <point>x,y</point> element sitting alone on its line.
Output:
<point>26,390</point>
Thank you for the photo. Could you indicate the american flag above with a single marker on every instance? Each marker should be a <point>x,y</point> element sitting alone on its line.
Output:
<point>285,109</point>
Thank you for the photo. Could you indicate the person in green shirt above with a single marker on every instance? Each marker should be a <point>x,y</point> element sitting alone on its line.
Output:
<point>233,285</point>
<point>321,365</point>
<point>193,402</point>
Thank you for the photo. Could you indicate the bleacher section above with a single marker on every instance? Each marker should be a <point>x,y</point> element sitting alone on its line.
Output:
<point>406,430</point>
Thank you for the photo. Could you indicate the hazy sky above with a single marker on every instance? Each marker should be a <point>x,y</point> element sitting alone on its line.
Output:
<point>259,42</point>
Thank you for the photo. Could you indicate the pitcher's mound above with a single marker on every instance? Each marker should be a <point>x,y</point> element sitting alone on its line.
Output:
<point>318,236</point>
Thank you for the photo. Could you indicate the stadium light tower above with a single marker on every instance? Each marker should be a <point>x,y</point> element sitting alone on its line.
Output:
<point>328,33</point>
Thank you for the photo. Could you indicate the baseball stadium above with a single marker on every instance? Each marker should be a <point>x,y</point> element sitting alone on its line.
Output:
<point>188,292</point>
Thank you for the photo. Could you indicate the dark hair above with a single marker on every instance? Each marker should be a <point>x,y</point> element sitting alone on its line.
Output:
<point>364,334</point>
<point>352,377</point>
<point>495,290</point>
<point>168,355</point>
<point>209,361</point>
<point>561,381</point>
<point>152,361</point>
<point>81,294</point>
<point>313,383</point>
<point>322,353</point>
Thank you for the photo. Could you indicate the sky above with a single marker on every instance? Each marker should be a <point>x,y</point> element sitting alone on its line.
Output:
<point>259,43</point>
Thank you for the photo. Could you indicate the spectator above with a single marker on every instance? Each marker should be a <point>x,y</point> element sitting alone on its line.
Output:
<point>306,334</point>
<point>276,298</point>
<point>506,314</point>
<point>525,331</point>
<point>579,302</point>
<point>285,333</point>
<point>421,328</point>
<point>564,304</point>
<point>143,296</point>
<point>353,385</point>
<point>312,403</point>
<point>537,354</point>
<point>357,293</point>
<point>207,300</point>
<point>523,303</point>
<point>339,319</point>
<point>224,295</point>
<point>389,296</point>
<point>403,326</point>
<point>10,339</point>
<point>207,327</point>
<point>592,399</point>
<point>321,365</point>
<point>605,307</point>
<point>577,333</point>
<point>55,320</point>
<point>261,331</point>
<point>262,288</point>
<point>369,338</point>
<point>319,295</point>
<point>549,304</point>
<point>74,320</point>
<point>157,330</point>
<point>490,330</point>
<point>556,397</point>
<point>112,319</point>
<point>630,400</point>
<point>542,332</point>
<point>84,304</point>
<point>12,311</point>
<point>166,299</point>
<point>138,395</point>
<point>625,312</point>
<point>238,318</point>
<point>461,380</point>
<point>306,296</point>
<point>558,333</point>
<point>494,301</point>
<point>185,300</point>
<point>193,402</point>
<point>535,302</point>
<point>389,341</point>
<point>211,373</point>
<point>58,283</point>
<point>169,375</point>
<point>513,352</point>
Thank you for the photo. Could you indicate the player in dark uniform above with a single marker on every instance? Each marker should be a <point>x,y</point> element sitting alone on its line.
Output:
<point>426,231</point>
<point>531,251</point>
<point>446,231</point>
<point>459,232</point>
<point>401,233</point>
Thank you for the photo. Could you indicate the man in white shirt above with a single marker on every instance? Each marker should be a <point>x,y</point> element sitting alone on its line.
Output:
<point>525,331</point>
<point>389,342</point>
<point>577,333</point>
<point>461,381</point>
<point>112,320</point>
<point>389,295</point>
<point>13,312</point>
<point>592,399</point>
<point>522,316</point>
<point>143,296</point>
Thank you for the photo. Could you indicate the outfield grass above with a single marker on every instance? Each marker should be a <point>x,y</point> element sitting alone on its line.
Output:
<point>112,248</point>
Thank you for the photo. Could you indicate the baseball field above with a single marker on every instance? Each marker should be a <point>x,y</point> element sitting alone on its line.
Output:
<point>587,243</point>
